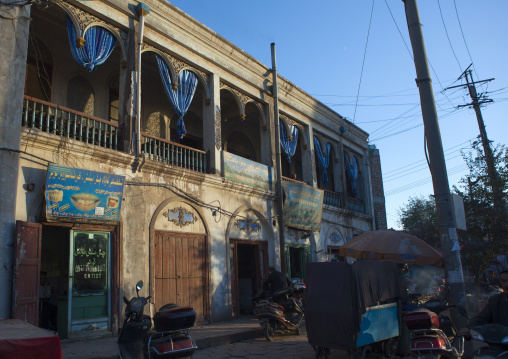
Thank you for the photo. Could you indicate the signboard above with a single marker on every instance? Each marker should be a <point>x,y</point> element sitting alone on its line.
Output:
<point>83,196</point>
<point>242,170</point>
<point>303,206</point>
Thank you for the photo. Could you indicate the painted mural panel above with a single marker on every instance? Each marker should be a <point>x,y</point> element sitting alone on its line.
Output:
<point>242,170</point>
<point>303,206</point>
<point>83,196</point>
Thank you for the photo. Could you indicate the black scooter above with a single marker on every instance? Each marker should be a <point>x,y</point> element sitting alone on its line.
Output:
<point>170,339</point>
<point>280,314</point>
<point>495,336</point>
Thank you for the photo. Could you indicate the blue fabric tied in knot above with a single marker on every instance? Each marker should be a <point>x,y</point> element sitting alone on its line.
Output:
<point>288,143</point>
<point>352,172</point>
<point>99,44</point>
<point>181,97</point>
<point>323,159</point>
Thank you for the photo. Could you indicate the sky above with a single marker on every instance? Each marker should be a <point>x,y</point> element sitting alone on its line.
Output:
<point>356,58</point>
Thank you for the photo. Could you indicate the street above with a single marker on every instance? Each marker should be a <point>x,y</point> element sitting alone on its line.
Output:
<point>286,346</point>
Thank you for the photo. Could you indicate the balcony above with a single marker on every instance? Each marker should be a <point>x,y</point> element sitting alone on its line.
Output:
<point>172,153</point>
<point>355,204</point>
<point>331,198</point>
<point>65,122</point>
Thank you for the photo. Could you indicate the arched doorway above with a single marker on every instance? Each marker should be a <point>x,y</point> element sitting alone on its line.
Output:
<point>180,259</point>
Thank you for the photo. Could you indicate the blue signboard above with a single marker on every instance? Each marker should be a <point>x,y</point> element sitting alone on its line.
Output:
<point>83,196</point>
<point>242,170</point>
<point>303,206</point>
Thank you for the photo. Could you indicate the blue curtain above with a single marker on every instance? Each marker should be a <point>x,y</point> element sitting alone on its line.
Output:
<point>323,160</point>
<point>99,44</point>
<point>180,98</point>
<point>288,143</point>
<point>352,172</point>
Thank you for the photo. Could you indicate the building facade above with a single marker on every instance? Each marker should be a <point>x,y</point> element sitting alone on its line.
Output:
<point>143,148</point>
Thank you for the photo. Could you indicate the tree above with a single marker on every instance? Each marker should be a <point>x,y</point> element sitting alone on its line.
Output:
<point>487,225</point>
<point>419,217</point>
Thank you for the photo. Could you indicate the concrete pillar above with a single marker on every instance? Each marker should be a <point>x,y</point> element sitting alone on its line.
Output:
<point>309,170</point>
<point>14,27</point>
<point>212,133</point>
<point>127,95</point>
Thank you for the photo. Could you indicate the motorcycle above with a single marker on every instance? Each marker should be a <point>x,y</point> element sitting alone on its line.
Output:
<point>170,339</point>
<point>299,290</point>
<point>495,336</point>
<point>433,333</point>
<point>281,314</point>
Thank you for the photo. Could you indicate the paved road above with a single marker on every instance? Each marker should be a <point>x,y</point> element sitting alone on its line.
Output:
<point>287,346</point>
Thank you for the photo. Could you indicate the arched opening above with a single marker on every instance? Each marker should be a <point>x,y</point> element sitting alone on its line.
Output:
<point>241,134</point>
<point>295,168</point>
<point>45,83</point>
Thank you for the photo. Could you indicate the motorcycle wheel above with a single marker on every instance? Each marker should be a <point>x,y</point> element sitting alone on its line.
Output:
<point>390,347</point>
<point>270,330</point>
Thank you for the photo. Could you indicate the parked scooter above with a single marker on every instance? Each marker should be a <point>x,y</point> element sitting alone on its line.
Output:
<point>170,339</point>
<point>433,333</point>
<point>496,338</point>
<point>281,314</point>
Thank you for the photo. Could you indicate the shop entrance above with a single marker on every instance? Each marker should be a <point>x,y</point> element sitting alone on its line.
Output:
<point>249,263</point>
<point>297,257</point>
<point>73,280</point>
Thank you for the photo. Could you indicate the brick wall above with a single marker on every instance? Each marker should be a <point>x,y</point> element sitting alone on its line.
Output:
<point>378,193</point>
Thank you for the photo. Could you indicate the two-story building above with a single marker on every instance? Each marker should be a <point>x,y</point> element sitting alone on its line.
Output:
<point>144,148</point>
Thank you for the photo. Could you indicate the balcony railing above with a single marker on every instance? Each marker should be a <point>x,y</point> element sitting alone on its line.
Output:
<point>331,198</point>
<point>172,153</point>
<point>355,204</point>
<point>65,122</point>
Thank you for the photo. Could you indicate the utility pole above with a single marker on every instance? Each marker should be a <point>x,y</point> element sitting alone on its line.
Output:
<point>280,211</point>
<point>444,201</point>
<point>497,191</point>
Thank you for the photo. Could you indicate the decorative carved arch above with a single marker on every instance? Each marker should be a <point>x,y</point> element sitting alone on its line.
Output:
<point>287,121</point>
<point>82,21</point>
<point>176,66</point>
<point>242,100</point>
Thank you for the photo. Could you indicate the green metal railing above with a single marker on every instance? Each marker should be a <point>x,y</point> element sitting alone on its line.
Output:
<point>172,153</point>
<point>331,198</point>
<point>355,204</point>
<point>65,122</point>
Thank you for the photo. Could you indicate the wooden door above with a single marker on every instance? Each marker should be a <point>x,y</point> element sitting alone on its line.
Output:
<point>25,294</point>
<point>235,290</point>
<point>180,271</point>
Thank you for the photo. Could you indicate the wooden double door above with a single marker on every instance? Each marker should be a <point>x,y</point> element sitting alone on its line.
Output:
<point>180,271</point>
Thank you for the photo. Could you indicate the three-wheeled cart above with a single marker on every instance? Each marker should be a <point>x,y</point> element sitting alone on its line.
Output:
<point>353,307</point>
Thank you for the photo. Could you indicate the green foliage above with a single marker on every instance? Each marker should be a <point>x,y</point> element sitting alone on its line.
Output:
<point>486,234</point>
<point>487,224</point>
<point>419,217</point>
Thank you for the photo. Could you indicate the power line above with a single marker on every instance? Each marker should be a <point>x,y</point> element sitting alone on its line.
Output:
<point>363,62</point>
<point>447,36</point>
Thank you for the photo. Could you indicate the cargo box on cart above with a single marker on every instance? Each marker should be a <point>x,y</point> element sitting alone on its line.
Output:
<point>422,319</point>
<point>173,317</point>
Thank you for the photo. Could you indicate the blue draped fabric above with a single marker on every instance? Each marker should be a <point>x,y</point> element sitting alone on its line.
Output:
<point>352,172</point>
<point>288,143</point>
<point>323,160</point>
<point>99,44</point>
<point>180,98</point>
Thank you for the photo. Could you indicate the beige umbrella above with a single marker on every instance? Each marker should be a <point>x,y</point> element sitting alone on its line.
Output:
<point>390,244</point>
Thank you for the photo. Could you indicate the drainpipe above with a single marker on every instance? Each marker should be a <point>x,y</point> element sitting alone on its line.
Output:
<point>142,11</point>
<point>280,212</point>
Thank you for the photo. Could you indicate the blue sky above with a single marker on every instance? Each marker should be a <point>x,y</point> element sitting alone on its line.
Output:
<point>321,47</point>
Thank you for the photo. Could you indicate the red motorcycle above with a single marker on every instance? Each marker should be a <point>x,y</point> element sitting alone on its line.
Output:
<point>433,334</point>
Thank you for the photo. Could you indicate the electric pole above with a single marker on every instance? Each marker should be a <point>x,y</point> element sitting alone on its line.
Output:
<point>444,202</point>
<point>497,191</point>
